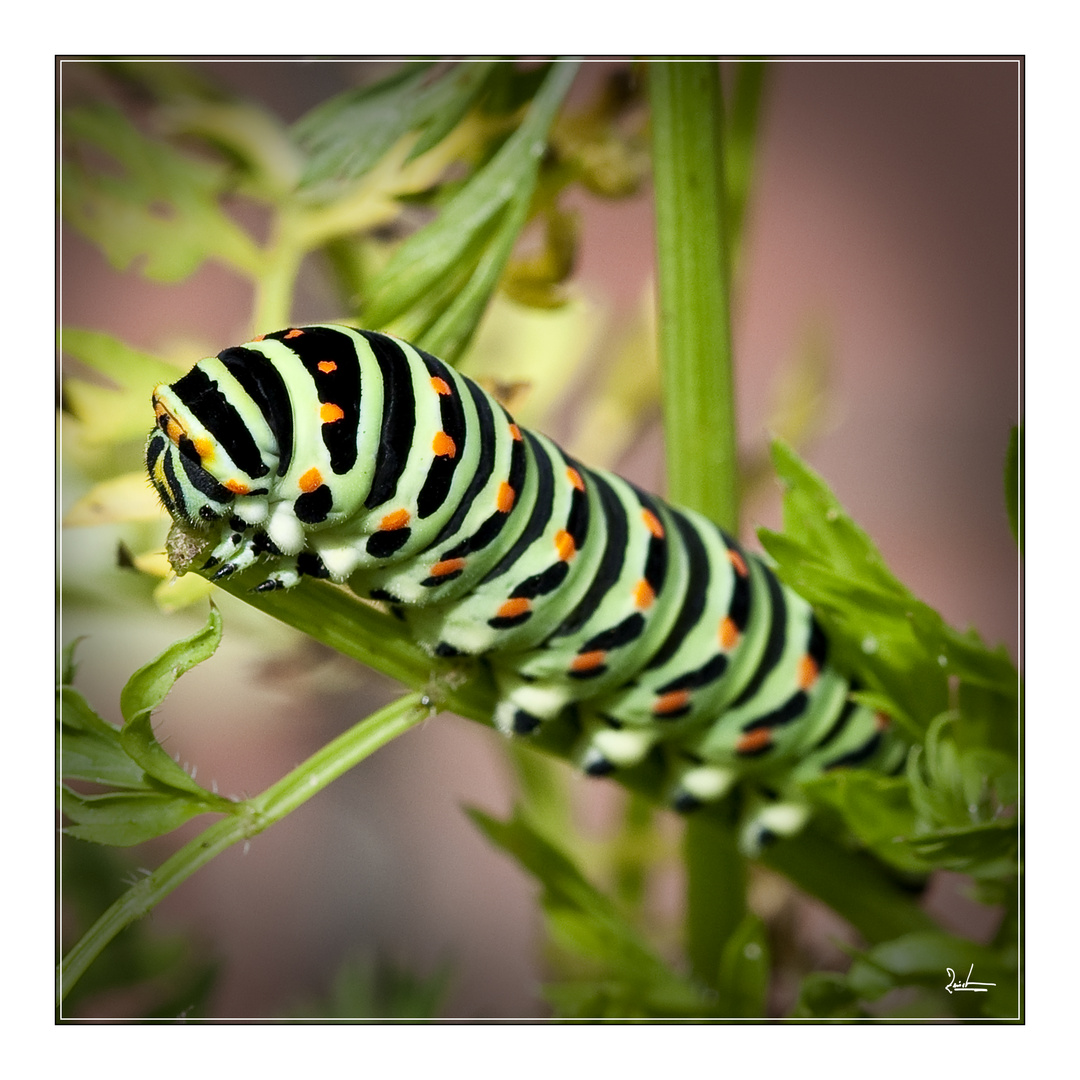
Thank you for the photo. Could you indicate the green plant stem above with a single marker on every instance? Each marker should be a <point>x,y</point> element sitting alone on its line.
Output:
<point>250,818</point>
<point>822,868</point>
<point>715,892</point>
<point>275,284</point>
<point>693,283</point>
<point>740,143</point>
<point>699,408</point>
<point>339,619</point>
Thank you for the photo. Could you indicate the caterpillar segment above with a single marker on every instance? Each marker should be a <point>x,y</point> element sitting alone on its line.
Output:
<point>345,454</point>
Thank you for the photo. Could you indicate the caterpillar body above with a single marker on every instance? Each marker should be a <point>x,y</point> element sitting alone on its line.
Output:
<point>352,455</point>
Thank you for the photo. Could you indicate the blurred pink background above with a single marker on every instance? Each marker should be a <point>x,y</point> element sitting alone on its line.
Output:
<point>886,209</point>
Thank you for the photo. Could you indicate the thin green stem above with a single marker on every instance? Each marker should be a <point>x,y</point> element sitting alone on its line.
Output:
<point>250,819</point>
<point>276,282</point>
<point>338,618</point>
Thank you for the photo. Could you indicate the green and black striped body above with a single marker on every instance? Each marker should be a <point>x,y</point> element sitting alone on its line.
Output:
<point>351,455</point>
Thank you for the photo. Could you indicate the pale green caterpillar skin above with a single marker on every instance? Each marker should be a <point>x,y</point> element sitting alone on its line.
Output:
<point>353,456</point>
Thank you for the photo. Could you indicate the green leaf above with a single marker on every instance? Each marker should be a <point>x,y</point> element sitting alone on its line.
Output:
<point>458,322</point>
<point>345,135</point>
<point>146,690</point>
<point>437,253</point>
<point>90,746</point>
<point>958,785</point>
<point>986,850</point>
<point>880,631</point>
<point>627,975</point>
<point>130,369</point>
<point>969,657</point>
<point>154,794</point>
<point>988,719</point>
<point>877,809</point>
<point>1014,485</point>
<point>112,414</point>
<point>150,685</point>
<point>150,203</point>
<point>125,818</point>
<point>814,517</point>
<point>348,134</point>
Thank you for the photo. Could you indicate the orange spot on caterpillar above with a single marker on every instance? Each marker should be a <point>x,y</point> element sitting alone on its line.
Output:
<point>738,562</point>
<point>326,366</point>
<point>729,633</point>
<point>294,333</point>
<point>236,487</point>
<point>505,499</point>
<point>588,661</point>
<point>575,478</point>
<point>204,448</point>
<point>259,337</point>
<point>330,412</point>
<point>311,480</point>
<point>397,520</point>
<point>446,566</point>
<point>564,545</point>
<point>751,741</point>
<point>175,430</point>
<point>671,702</point>
<point>652,523</point>
<point>441,386</point>
<point>643,595</point>
<point>512,608</point>
<point>808,672</point>
<point>515,433</point>
<point>443,445</point>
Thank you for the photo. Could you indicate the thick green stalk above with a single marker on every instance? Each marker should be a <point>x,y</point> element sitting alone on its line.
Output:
<point>693,282</point>
<point>250,819</point>
<point>699,410</point>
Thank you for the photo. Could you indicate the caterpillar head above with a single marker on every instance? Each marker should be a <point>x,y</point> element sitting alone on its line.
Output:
<point>192,472</point>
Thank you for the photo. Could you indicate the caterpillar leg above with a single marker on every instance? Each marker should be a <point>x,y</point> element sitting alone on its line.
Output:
<point>524,705</point>
<point>511,719</point>
<point>233,554</point>
<point>285,578</point>
<point>606,748</point>
<point>764,819</point>
<point>701,784</point>
<point>767,822</point>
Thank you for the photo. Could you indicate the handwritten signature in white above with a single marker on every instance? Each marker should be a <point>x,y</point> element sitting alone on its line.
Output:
<point>966,984</point>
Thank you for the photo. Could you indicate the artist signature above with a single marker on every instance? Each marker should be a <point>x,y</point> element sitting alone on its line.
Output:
<point>966,984</point>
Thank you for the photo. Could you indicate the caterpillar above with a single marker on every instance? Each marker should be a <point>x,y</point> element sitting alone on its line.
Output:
<point>351,455</point>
